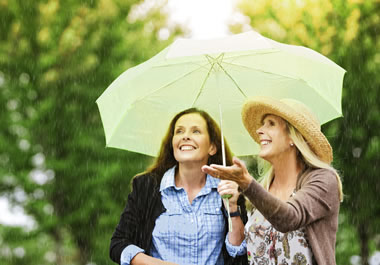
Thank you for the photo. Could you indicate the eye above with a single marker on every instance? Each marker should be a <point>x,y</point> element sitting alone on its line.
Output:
<point>271,123</point>
<point>178,131</point>
<point>196,131</point>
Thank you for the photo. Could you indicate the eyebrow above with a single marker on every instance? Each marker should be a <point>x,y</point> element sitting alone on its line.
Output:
<point>192,127</point>
<point>265,117</point>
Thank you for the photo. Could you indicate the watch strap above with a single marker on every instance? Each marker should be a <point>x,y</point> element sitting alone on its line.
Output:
<point>233,214</point>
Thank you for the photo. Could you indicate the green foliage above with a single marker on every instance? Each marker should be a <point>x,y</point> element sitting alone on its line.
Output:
<point>57,57</point>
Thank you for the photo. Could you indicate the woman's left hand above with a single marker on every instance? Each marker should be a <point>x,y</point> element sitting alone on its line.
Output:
<point>227,187</point>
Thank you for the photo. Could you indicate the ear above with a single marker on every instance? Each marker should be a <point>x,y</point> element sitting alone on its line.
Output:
<point>212,150</point>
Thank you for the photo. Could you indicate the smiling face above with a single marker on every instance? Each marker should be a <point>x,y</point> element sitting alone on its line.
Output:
<point>275,141</point>
<point>191,140</point>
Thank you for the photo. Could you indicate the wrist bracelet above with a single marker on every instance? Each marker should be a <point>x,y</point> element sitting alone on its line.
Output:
<point>233,214</point>
<point>236,213</point>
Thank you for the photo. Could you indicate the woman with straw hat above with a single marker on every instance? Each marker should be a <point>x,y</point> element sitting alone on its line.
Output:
<point>295,206</point>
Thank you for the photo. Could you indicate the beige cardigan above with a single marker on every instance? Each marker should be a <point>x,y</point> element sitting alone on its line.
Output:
<point>315,206</point>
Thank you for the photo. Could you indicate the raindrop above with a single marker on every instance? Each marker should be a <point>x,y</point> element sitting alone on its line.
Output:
<point>19,195</point>
<point>32,95</point>
<point>355,260</point>
<point>24,78</point>
<point>4,159</point>
<point>31,112</point>
<point>38,160</point>
<point>16,116</point>
<point>48,209</point>
<point>5,252</point>
<point>38,194</point>
<point>2,79</point>
<point>12,104</point>
<point>19,252</point>
<point>39,176</point>
<point>50,174</point>
<point>18,130</point>
<point>50,256</point>
<point>9,180</point>
<point>24,145</point>
<point>356,152</point>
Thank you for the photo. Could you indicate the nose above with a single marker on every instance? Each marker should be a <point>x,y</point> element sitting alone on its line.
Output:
<point>186,136</point>
<point>259,131</point>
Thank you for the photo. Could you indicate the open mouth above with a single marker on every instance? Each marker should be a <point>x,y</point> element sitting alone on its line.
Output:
<point>265,142</point>
<point>186,148</point>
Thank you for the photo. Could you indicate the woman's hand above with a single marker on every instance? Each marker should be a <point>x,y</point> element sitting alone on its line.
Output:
<point>143,259</point>
<point>237,172</point>
<point>227,187</point>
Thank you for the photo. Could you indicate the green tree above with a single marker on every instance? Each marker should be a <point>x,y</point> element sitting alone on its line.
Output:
<point>56,59</point>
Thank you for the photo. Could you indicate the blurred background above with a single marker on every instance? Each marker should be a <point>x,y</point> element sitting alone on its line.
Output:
<point>62,192</point>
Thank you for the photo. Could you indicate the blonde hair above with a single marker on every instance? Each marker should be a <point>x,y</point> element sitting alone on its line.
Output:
<point>305,154</point>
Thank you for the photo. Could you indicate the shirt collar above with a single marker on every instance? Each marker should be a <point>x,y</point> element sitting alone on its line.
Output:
<point>168,181</point>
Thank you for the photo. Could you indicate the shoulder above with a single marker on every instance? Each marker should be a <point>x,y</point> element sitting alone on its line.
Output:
<point>321,174</point>
<point>146,181</point>
<point>325,179</point>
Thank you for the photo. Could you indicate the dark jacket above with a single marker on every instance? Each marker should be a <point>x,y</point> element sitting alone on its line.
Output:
<point>138,219</point>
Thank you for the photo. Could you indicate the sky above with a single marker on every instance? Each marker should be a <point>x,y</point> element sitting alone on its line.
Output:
<point>204,18</point>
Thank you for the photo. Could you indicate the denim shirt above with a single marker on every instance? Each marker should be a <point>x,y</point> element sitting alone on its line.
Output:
<point>188,233</point>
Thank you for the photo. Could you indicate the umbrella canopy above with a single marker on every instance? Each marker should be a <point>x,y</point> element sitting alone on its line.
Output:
<point>137,107</point>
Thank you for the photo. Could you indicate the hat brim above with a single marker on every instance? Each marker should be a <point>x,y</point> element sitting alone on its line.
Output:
<point>256,108</point>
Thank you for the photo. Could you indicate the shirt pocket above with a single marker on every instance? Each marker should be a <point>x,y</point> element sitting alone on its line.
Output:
<point>214,222</point>
<point>168,225</point>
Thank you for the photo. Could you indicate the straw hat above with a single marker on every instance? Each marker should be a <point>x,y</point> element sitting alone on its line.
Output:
<point>293,111</point>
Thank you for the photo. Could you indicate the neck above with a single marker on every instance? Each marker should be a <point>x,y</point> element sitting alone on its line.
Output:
<point>190,176</point>
<point>286,172</point>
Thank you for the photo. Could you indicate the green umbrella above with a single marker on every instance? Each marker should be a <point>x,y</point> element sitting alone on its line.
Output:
<point>216,75</point>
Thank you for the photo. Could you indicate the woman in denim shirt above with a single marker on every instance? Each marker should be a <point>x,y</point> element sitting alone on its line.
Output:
<point>174,214</point>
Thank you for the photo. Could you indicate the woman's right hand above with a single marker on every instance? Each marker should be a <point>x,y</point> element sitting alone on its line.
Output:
<point>228,187</point>
<point>238,172</point>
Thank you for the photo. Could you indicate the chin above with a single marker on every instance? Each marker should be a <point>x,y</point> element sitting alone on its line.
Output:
<point>265,156</point>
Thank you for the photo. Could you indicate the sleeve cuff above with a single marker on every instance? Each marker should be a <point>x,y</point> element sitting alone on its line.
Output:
<point>129,253</point>
<point>234,251</point>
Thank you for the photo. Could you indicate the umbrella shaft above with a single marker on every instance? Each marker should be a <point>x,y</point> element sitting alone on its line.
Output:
<point>221,133</point>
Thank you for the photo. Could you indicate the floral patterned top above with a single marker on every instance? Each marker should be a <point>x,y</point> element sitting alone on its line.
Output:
<point>267,246</point>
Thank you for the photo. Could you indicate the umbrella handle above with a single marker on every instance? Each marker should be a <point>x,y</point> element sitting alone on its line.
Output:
<point>225,198</point>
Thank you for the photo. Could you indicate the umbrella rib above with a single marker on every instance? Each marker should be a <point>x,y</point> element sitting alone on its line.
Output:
<point>212,63</point>
<point>259,70</point>
<point>170,83</point>
<point>146,95</point>
<point>282,75</point>
<point>233,80</point>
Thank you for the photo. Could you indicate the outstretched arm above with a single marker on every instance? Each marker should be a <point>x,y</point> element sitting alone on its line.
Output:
<point>238,172</point>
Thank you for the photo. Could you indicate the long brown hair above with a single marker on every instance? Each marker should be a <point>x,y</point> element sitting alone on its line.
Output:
<point>166,160</point>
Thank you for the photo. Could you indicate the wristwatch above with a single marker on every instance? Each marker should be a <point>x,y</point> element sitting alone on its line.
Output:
<point>236,213</point>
